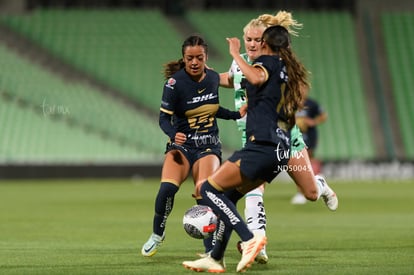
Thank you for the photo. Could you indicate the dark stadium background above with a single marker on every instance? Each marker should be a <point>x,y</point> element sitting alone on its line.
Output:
<point>80,82</point>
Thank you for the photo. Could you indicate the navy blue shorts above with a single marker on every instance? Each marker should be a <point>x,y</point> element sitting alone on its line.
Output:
<point>193,154</point>
<point>261,160</point>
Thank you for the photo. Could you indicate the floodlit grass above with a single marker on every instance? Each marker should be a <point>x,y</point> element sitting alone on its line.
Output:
<point>99,226</point>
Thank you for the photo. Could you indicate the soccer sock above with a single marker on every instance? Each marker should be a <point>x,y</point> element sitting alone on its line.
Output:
<point>210,241</point>
<point>320,185</point>
<point>218,236</point>
<point>226,210</point>
<point>234,195</point>
<point>254,211</point>
<point>163,206</point>
<point>223,234</point>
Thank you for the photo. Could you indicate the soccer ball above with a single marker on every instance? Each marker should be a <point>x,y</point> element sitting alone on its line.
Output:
<point>200,221</point>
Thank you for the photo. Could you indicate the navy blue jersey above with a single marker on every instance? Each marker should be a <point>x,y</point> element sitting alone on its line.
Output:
<point>265,101</point>
<point>194,107</point>
<point>312,110</point>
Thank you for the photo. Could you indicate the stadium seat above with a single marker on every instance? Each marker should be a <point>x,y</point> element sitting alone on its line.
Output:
<point>123,48</point>
<point>397,28</point>
<point>47,118</point>
<point>126,48</point>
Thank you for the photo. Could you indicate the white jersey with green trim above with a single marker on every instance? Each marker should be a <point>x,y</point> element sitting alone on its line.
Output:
<point>239,83</point>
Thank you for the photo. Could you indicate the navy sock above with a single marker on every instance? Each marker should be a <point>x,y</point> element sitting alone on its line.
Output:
<point>226,210</point>
<point>208,242</point>
<point>200,202</point>
<point>223,234</point>
<point>234,195</point>
<point>163,206</point>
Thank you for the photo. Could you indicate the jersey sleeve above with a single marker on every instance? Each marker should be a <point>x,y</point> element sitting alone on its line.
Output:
<point>224,113</point>
<point>319,109</point>
<point>262,62</point>
<point>270,65</point>
<point>166,125</point>
<point>314,109</point>
<point>232,68</point>
<point>169,97</point>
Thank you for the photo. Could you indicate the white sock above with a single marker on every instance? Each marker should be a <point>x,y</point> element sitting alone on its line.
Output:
<point>254,211</point>
<point>320,184</point>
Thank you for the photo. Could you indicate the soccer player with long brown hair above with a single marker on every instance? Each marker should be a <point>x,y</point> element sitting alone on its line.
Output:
<point>189,108</point>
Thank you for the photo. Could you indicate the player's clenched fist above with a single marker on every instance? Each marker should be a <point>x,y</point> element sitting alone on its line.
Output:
<point>234,46</point>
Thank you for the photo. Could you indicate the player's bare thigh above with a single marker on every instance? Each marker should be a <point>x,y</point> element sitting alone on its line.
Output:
<point>303,177</point>
<point>228,176</point>
<point>175,168</point>
<point>203,168</point>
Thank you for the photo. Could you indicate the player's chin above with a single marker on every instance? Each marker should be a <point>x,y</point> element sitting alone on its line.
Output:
<point>196,69</point>
<point>252,54</point>
<point>195,72</point>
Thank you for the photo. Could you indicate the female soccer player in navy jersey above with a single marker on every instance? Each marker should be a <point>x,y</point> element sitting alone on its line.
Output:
<point>189,108</point>
<point>274,94</point>
<point>254,211</point>
<point>298,167</point>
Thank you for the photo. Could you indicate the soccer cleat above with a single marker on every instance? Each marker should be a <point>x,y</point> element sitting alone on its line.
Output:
<point>206,264</point>
<point>328,195</point>
<point>298,198</point>
<point>261,258</point>
<point>239,246</point>
<point>151,246</point>
<point>251,249</point>
<point>203,255</point>
<point>208,254</point>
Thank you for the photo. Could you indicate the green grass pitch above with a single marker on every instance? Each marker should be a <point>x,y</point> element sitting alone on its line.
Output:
<point>99,226</point>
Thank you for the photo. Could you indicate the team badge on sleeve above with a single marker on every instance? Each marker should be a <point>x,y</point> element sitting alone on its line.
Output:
<point>170,83</point>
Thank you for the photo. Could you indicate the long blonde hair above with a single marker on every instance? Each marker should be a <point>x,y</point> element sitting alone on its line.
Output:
<point>281,18</point>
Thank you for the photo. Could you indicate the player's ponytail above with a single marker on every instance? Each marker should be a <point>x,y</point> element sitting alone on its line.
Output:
<point>281,18</point>
<point>172,67</point>
<point>278,40</point>
<point>297,84</point>
<point>285,19</point>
